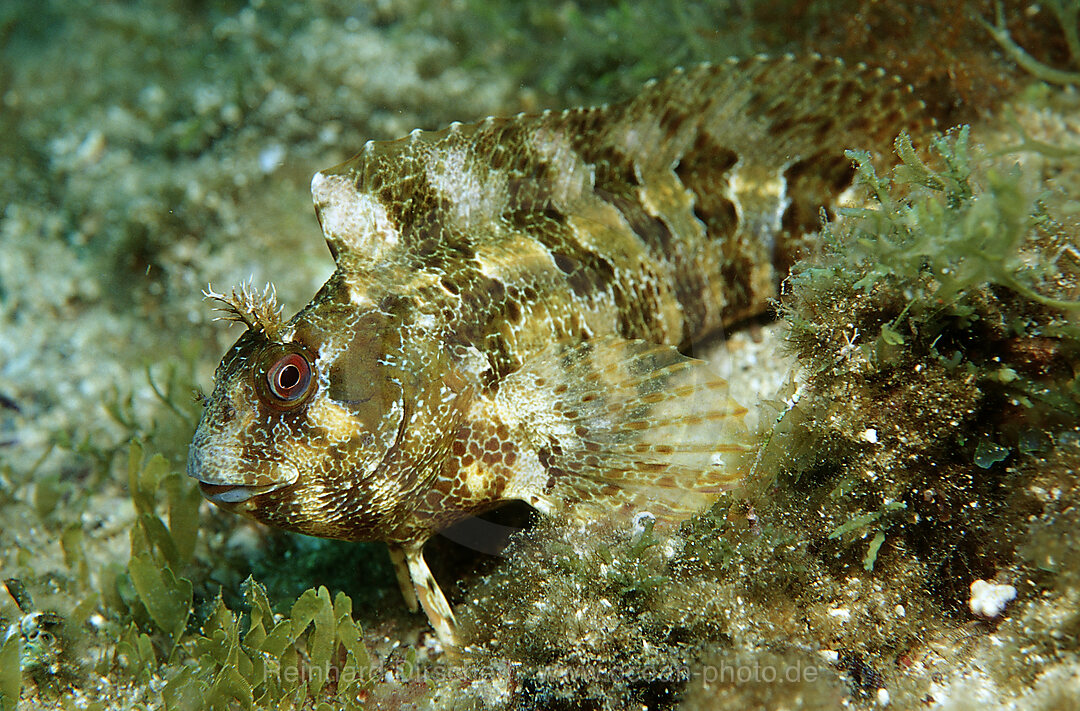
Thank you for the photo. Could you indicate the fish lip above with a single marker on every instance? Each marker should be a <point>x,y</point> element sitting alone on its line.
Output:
<point>232,493</point>
<point>215,486</point>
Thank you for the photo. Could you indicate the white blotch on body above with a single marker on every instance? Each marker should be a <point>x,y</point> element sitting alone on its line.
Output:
<point>356,221</point>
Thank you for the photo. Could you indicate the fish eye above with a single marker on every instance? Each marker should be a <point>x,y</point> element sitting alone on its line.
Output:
<point>289,377</point>
<point>284,380</point>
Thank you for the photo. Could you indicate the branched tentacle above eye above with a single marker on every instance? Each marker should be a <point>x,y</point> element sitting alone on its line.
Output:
<point>258,311</point>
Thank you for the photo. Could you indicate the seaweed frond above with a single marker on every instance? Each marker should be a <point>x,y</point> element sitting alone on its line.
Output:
<point>951,235</point>
<point>258,311</point>
<point>1067,12</point>
<point>206,654</point>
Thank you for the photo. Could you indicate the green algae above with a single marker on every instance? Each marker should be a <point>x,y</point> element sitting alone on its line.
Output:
<point>315,652</point>
<point>952,274</point>
<point>869,523</point>
<point>934,243</point>
<point>1066,12</point>
<point>315,655</point>
<point>932,327</point>
<point>10,671</point>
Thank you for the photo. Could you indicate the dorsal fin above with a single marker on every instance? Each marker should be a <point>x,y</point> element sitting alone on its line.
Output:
<point>783,121</point>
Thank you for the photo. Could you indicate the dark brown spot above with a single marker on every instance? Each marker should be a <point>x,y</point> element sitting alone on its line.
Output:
<point>564,263</point>
<point>778,107</point>
<point>444,485</point>
<point>782,127</point>
<point>849,91</point>
<point>554,215</point>
<point>392,303</point>
<point>581,284</point>
<point>651,230</point>
<point>672,119</point>
<point>513,311</point>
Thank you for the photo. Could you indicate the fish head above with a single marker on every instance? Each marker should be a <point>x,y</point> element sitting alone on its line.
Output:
<point>303,424</point>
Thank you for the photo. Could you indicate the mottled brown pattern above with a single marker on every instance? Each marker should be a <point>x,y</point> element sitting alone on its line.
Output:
<point>508,305</point>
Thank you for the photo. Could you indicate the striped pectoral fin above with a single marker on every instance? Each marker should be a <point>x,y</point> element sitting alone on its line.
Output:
<point>430,595</point>
<point>626,425</point>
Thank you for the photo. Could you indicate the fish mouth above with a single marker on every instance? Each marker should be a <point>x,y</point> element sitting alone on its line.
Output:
<point>214,471</point>
<point>232,493</point>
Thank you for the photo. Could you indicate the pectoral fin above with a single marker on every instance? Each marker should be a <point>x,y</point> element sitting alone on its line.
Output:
<point>625,425</point>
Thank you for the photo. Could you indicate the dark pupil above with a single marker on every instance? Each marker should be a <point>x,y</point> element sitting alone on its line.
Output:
<point>288,377</point>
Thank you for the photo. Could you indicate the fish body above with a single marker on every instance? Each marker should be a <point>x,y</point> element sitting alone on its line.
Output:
<point>513,304</point>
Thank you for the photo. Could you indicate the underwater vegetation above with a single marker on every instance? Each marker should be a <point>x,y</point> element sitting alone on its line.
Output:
<point>216,661</point>
<point>1067,13</point>
<point>928,438</point>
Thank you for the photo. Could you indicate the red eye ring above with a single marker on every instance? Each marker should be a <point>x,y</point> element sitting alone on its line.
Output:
<point>289,377</point>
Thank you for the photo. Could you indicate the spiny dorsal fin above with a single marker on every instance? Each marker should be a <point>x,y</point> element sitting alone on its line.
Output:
<point>626,424</point>
<point>258,311</point>
<point>765,119</point>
